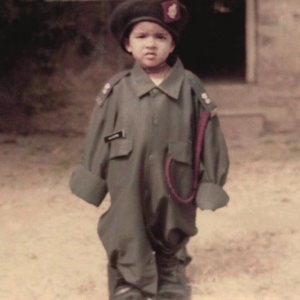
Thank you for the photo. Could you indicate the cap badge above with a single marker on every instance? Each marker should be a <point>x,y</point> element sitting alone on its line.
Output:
<point>171,11</point>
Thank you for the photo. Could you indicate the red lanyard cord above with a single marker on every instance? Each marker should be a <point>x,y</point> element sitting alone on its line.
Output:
<point>202,122</point>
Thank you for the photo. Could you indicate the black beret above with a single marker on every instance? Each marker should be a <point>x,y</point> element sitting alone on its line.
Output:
<point>170,14</point>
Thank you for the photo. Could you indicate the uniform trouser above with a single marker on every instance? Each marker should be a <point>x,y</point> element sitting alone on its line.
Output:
<point>131,237</point>
<point>114,275</point>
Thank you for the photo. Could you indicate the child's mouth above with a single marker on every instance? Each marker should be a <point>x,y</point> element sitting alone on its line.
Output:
<point>150,54</point>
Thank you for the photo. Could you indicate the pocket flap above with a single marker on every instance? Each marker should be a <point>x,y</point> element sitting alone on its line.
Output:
<point>122,147</point>
<point>181,151</point>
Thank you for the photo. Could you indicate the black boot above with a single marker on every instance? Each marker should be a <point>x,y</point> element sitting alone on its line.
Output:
<point>119,289</point>
<point>125,291</point>
<point>172,281</point>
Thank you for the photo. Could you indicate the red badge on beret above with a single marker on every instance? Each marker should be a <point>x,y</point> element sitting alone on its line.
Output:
<point>171,11</point>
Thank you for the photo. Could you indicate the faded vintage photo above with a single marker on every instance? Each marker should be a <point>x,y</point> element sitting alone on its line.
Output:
<point>149,149</point>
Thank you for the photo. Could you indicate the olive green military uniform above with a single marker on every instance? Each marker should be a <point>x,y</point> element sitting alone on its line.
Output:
<point>142,124</point>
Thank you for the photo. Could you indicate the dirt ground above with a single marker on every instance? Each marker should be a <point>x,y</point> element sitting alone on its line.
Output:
<point>50,249</point>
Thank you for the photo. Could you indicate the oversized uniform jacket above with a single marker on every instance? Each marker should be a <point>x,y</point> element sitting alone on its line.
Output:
<point>135,125</point>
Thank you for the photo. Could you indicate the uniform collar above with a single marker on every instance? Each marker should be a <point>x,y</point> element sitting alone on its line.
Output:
<point>170,86</point>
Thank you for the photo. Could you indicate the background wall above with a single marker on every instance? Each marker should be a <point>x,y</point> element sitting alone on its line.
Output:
<point>55,74</point>
<point>278,29</point>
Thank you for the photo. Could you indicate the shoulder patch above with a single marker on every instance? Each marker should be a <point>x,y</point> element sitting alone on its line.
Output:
<point>108,86</point>
<point>198,88</point>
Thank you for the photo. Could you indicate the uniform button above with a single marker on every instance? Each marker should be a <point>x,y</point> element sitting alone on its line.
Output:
<point>154,92</point>
<point>155,122</point>
<point>150,157</point>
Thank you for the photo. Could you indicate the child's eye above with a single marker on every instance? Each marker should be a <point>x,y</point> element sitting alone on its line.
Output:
<point>161,37</point>
<point>141,36</point>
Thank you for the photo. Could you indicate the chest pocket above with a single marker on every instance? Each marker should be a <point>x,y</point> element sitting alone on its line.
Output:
<point>180,170</point>
<point>119,166</point>
<point>120,148</point>
<point>181,151</point>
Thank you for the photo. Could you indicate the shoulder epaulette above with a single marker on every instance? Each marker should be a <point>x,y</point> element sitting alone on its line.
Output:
<point>200,92</point>
<point>108,87</point>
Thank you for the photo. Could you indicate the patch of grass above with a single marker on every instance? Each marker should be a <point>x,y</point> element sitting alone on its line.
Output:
<point>269,142</point>
<point>295,149</point>
<point>64,163</point>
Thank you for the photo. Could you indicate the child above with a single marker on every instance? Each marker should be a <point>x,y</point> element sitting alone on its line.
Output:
<point>143,146</point>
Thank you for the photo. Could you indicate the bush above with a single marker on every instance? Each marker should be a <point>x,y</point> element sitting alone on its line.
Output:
<point>32,37</point>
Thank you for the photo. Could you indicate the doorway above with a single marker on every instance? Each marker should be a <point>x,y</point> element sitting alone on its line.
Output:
<point>214,44</point>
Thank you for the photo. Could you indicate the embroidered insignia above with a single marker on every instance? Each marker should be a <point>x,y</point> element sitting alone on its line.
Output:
<point>99,100</point>
<point>206,98</point>
<point>204,95</point>
<point>106,88</point>
<point>114,136</point>
<point>171,10</point>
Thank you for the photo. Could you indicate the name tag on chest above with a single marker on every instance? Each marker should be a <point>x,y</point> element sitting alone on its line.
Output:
<point>114,136</point>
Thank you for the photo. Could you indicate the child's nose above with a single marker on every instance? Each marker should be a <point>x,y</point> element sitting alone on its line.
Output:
<point>151,42</point>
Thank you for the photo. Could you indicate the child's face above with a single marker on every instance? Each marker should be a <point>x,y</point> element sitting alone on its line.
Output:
<point>150,44</point>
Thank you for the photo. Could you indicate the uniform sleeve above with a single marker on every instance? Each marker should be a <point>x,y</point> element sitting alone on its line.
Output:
<point>214,168</point>
<point>88,181</point>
